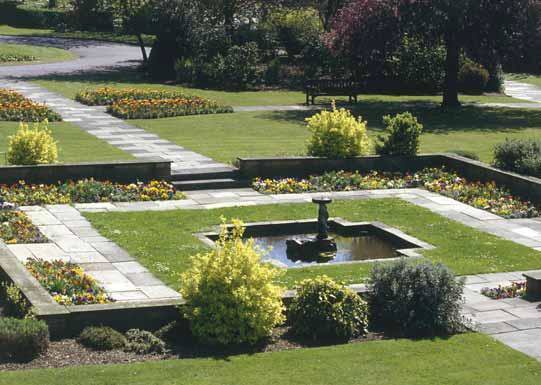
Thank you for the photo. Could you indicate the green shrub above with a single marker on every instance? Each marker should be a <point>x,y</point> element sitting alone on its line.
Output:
<point>337,134</point>
<point>465,153</point>
<point>23,340</point>
<point>416,300</point>
<point>186,70</point>
<point>230,295</point>
<point>240,65</point>
<point>143,342</point>
<point>326,309</point>
<point>519,155</point>
<point>403,135</point>
<point>101,338</point>
<point>472,77</point>
<point>31,146</point>
<point>15,303</point>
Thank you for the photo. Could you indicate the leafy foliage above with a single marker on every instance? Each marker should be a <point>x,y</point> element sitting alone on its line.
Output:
<point>230,295</point>
<point>23,339</point>
<point>337,134</point>
<point>143,342</point>
<point>101,338</point>
<point>473,77</point>
<point>31,146</point>
<point>416,300</point>
<point>403,136</point>
<point>519,155</point>
<point>326,309</point>
<point>14,303</point>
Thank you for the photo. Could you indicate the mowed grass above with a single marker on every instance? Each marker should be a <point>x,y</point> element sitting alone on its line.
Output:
<point>254,134</point>
<point>69,85</point>
<point>164,241</point>
<point>42,54</point>
<point>525,78</point>
<point>75,145</point>
<point>460,360</point>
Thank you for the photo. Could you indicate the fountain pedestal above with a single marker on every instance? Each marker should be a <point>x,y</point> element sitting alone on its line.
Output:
<point>320,249</point>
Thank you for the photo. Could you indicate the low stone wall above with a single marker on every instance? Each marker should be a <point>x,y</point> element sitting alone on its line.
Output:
<point>526,187</point>
<point>120,171</point>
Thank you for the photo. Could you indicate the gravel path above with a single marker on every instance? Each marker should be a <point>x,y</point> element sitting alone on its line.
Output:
<point>92,55</point>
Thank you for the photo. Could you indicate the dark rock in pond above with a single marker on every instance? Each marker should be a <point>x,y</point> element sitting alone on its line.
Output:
<point>311,250</point>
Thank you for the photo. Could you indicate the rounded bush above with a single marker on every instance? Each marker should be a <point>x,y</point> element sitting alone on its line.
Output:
<point>337,134</point>
<point>101,338</point>
<point>519,155</point>
<point>30,146</point>
<point>416,300</point>
<point>403,136</point>
<point>230,295</point>
<point>473,77</point>
<point>143,342</point>
<point>326,309</point>
<point>23,339</point>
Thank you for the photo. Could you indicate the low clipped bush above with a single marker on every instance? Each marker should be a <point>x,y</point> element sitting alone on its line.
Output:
<point>143,342</point>
<point>519,155</point>
<point>337,134</point>
<point>101,338</point>
<point>326,309</point>
<point>416,300</point>
<point>230,295</point>
<point>23,339</point>
<point>403,135</point>
<point>31,146</point>
<point>472,77</point>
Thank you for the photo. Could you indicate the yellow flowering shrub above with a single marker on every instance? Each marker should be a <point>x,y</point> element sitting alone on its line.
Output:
<point>230,295</point>
<point>337,134</point>
<point>34,145</point>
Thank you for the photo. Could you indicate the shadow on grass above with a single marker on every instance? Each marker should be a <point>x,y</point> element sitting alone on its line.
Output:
<point>434,118</point>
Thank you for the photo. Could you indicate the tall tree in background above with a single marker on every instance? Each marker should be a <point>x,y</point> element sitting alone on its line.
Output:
<point>483,25</point>
<point>132,15</point>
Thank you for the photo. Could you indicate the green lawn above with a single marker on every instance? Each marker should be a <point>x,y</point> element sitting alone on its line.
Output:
<point>75,145</point>
<point>42,54</point>
<point>69,85</point>
<point>465,359</point>
<point>525,78</point>
<point>226,137</point>
<point>166,238</point>
<point>86,35</point>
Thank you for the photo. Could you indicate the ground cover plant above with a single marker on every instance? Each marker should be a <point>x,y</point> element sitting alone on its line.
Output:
<point>165,243</point>
<point>76,145</point>
<point>516,289</point>
<point>67,282</point>
<point>15,227</point>
<point>15,107</point>
<point>88,191</point>
<point>11,54</point>
<point>101,338</point>
<point>486,196</point>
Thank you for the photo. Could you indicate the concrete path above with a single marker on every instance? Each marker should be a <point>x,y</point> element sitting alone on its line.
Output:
<point>92,56</point>
<point>523,91</point>
<point>129,138</point>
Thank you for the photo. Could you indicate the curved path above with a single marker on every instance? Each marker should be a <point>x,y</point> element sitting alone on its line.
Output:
<point>92,56</point>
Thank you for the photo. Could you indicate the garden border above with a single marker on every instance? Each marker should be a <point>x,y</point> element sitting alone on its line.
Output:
<point>523,186</point>
<point>117,171</point>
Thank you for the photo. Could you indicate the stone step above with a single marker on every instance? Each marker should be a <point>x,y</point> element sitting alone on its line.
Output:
<point>210,184</point>
<point>214,173</point>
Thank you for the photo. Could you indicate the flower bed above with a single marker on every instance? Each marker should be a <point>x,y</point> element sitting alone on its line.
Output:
<point>517,289</point>
<point>16,58</point>
<point>107,96</point>
<point>67,282</point>
<point>155,109</point>
<point>486,196</point>
<point>15,107</point>
<point>88,191</point>
<point>15,227</point>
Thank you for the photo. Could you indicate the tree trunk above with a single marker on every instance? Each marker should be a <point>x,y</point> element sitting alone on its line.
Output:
<point>450,92</point>
<point>143,49</point>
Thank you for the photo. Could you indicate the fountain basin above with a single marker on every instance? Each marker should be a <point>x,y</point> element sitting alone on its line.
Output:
<point>359,242</point>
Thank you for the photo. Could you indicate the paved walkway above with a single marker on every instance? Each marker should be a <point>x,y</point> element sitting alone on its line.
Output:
<point>92,56</point>
<point>117,132</point>
<point>523,91</point>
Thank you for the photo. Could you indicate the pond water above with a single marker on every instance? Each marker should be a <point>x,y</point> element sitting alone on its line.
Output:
<point>350,248</point>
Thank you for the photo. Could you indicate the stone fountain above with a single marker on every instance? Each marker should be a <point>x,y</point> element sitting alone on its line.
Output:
<point>320,249</point>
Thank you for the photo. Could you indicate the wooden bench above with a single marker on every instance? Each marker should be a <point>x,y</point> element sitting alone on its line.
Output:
<point>337,87</point>
<point>533,285</point>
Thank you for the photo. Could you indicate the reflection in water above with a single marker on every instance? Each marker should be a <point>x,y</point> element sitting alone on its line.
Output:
<point>359,248</point>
